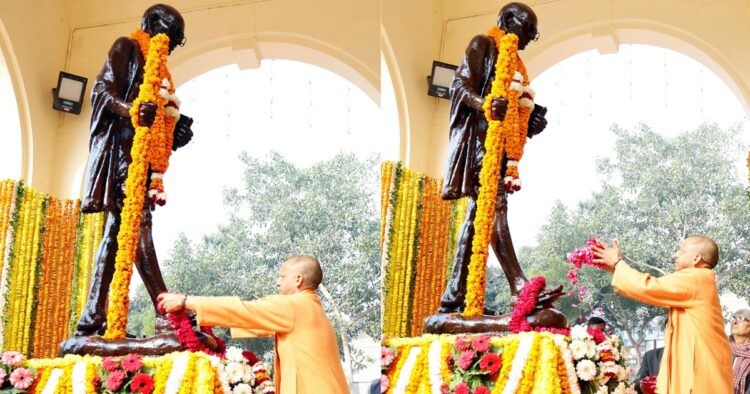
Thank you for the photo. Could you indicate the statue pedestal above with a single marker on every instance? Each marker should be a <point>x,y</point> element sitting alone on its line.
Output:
<point>151,346</point>
<point>455,323</point>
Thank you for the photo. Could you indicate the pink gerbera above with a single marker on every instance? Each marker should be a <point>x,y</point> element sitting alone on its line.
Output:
<point>384,383</point>
<point>110,364</point>
<point>386,356</point>
<point>466,359</point>
<point>11,358</point>
<point>481,343</point>
<point>115,380</point>
<point>21,378</point>
<point>462,343</point>
<point>131,362</point>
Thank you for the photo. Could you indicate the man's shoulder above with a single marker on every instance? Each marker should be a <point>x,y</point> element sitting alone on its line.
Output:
<point>480,40</point>
<point>123,44</point>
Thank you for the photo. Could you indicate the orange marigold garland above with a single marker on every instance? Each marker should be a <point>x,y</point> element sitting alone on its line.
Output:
<point>503,137</point>
<point>149,151</point>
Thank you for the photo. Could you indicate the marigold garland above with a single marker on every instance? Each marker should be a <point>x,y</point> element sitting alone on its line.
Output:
<point>149,152</point>
<point>503,137</point>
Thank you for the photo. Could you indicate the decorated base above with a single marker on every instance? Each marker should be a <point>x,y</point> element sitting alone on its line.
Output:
<point>528,362</point>
<point>455,323</point>
<point>151,346</point>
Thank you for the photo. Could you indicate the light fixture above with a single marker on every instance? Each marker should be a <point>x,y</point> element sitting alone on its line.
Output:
<point>68,95</point>
<point>440,80</point>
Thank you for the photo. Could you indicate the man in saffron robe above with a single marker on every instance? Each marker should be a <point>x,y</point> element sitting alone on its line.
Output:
<point>468,130</point>
<point>112,133</point>
<point>306,353</point>
<point>696,355</point>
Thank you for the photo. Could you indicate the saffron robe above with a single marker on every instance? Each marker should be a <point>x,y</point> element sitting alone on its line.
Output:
<point>306,353</point>
<point>696,356</point>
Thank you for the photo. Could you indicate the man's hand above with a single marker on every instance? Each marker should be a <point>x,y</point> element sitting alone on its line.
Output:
<point>172,302</point>
<point>183,132</point>
<point>537,120</point>
<point>498,108</point>
<point>607,255</point>
<point>146,114</point>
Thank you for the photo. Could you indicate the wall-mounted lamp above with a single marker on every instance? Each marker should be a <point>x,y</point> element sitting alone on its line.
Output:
<point>68,95</point>
<point>440,80</point>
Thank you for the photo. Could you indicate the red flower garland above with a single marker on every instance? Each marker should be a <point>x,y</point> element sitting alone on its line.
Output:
<point>183,328</point>
<point>526,304</point>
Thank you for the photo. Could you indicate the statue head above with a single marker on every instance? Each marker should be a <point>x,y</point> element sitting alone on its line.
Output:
<point>519,19</point>
<point>161,18</point>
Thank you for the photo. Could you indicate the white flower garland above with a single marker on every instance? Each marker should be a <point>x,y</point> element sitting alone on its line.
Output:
<point>78,377</point>
<point>179,367</point>
<point>54,380</point>
<point>406,370</point>
<point>570,369</point>
<point>519,362</point>
<point>434,363</point>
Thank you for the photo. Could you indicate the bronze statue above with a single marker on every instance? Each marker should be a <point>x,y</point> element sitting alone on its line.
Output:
<point>468,128</point>
<point>112,133</point>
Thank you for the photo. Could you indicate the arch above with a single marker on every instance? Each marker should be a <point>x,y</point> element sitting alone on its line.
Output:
<point>19,103</point>
<point>390,66</point>
<point>607,37</point>
<point>247,50</point>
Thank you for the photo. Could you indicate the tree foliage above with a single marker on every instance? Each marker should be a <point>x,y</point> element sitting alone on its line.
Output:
<point>655,192</point>
<point>327,211</point>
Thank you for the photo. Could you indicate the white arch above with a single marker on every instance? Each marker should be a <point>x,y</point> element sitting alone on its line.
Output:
<point>19,104</point>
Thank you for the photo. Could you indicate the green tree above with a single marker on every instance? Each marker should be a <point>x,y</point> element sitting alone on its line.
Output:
<point>655,192</point>
<point>328,211</point>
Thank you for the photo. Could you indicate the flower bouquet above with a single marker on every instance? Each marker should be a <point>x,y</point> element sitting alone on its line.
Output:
<point>244,373</point>
<point>387,356</point>
<point>14,377</point>
<point>648,384</point>
<point>125,375</point>
<point>598,361</point>
<point>477,364</point>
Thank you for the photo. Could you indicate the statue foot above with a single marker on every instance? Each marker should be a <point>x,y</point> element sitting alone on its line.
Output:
<point>547,317</point>
<point>545,298</point>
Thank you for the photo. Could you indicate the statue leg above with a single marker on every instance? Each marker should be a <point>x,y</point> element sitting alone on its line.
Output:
<point>145,260</point>
<point>93,317</point>
<point>502,245</point>
<point>455,290</point>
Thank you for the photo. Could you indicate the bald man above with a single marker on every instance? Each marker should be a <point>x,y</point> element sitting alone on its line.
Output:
<point>696,358</point>
<point>306,353</point>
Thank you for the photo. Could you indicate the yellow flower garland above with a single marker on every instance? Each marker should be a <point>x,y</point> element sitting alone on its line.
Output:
<point>506,136</point>
<point>420,372</point>
<point>546,379</point>
<point>144,152</point>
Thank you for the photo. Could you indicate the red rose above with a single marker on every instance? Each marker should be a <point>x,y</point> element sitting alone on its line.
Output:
<point>463,388</point>
<point>597,334</point>
<point>490,362</point>
<point>481,343</point>
<point>131,362</point>
<point>251,358</point>
<point>482,390</point>
<point>142,383</point>
<point>115,380</point>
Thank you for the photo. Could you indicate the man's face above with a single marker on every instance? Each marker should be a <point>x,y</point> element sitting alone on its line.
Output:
<point>685,256</point>
<point>289,280</point>
<point>523,23</point>
<point>740,326</point>
<point>172,25</point>
<point>600,326</point>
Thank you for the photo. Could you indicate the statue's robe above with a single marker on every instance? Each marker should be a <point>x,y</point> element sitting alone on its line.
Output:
<point>696,355</point>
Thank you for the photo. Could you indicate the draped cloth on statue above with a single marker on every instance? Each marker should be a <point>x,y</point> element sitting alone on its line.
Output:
<point>306,353</point>
<point>696,356</point>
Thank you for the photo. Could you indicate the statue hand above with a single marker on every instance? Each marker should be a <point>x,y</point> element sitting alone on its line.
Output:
<point>537,120</point>
<point>146,114</point>
<point>499,108</point>
<point>183,132</point>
